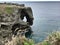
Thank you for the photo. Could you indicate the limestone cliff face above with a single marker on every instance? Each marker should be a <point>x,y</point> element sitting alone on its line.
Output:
<point>10,19</point>
<point>5,35</point>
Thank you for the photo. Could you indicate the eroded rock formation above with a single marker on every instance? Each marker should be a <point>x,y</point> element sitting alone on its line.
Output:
<point>11,20</point>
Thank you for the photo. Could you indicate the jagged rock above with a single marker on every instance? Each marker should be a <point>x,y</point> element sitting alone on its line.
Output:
<point>10,20</point>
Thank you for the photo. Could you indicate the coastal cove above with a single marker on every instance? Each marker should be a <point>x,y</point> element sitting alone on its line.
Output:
<point>46,18</point>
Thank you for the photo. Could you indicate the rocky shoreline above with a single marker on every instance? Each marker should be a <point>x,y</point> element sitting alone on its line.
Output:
<point>52,39</point>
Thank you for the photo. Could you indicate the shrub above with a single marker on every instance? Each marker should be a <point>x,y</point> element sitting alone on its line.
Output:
<point>20,41</point>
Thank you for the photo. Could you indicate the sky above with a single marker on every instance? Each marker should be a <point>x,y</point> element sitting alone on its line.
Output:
<point>29,0</point>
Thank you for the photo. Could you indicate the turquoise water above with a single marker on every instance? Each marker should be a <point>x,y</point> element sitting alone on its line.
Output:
<point>46,18</point>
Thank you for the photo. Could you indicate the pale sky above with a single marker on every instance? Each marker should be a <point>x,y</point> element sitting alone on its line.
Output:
<point>29,0</point>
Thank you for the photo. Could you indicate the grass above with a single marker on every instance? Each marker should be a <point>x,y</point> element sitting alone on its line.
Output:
<point>9,10</point>
<point>45,43</point>
<point>30,42</point>
<point>18,40</point>
<point>52,39</point>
